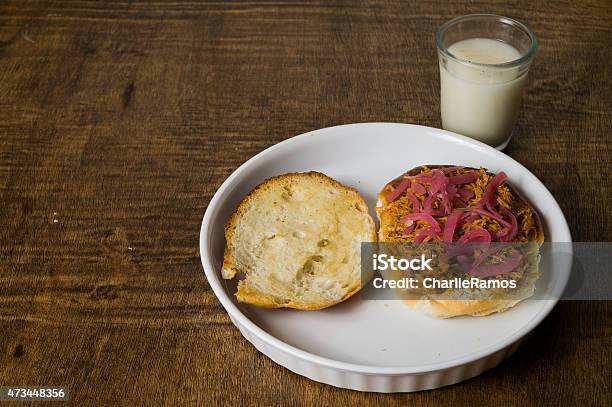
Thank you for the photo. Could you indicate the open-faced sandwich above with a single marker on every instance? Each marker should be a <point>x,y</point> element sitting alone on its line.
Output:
<point>295,239</point>
<point>449,206</point>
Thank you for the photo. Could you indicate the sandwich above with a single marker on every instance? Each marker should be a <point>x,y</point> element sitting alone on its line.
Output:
<point>295,242</point>
<point>443,208</point>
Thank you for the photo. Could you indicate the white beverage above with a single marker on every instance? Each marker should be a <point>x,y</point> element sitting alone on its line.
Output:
<point>479,101</point>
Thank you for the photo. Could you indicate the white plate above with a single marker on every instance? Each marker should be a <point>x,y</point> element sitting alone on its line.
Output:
<point>381,346</point>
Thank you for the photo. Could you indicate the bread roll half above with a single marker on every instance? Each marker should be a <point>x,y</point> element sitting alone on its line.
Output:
<point>296,241</point>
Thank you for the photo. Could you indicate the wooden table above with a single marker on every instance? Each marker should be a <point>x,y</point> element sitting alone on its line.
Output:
<point>119,120</point>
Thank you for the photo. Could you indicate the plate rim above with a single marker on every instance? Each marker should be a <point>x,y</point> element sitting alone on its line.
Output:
<point>234,312</point>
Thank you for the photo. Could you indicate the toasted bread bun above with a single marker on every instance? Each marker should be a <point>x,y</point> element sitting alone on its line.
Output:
<point>452,303</point>
<point>296,239</point>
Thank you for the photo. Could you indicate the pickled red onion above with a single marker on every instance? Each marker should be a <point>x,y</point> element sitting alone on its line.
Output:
<point>512,231</point>
<point>460,201</point>
<point>487,196</point>
<point>401,187</point>
<point>463,178</point>
<point>472,235</point>
<point>491,270</point>
<point>422,234</point>
<point>409,229</point>
<point>450,225</point>
<point>416,206</point>
<point>418,188</point>
<point>465,194</point>
<point>425,218</point>
<point>451,169</point>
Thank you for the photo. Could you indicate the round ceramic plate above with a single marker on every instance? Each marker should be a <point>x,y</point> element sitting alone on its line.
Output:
<point>369,345</point>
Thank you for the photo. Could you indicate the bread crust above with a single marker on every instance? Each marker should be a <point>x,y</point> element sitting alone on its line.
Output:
<point>230,269</point>
<point>451,308</point>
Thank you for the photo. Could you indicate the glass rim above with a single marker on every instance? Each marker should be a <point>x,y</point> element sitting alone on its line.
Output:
<point>510,21</point>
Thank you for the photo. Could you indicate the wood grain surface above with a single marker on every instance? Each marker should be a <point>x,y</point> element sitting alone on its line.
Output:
<point>119,120</point>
